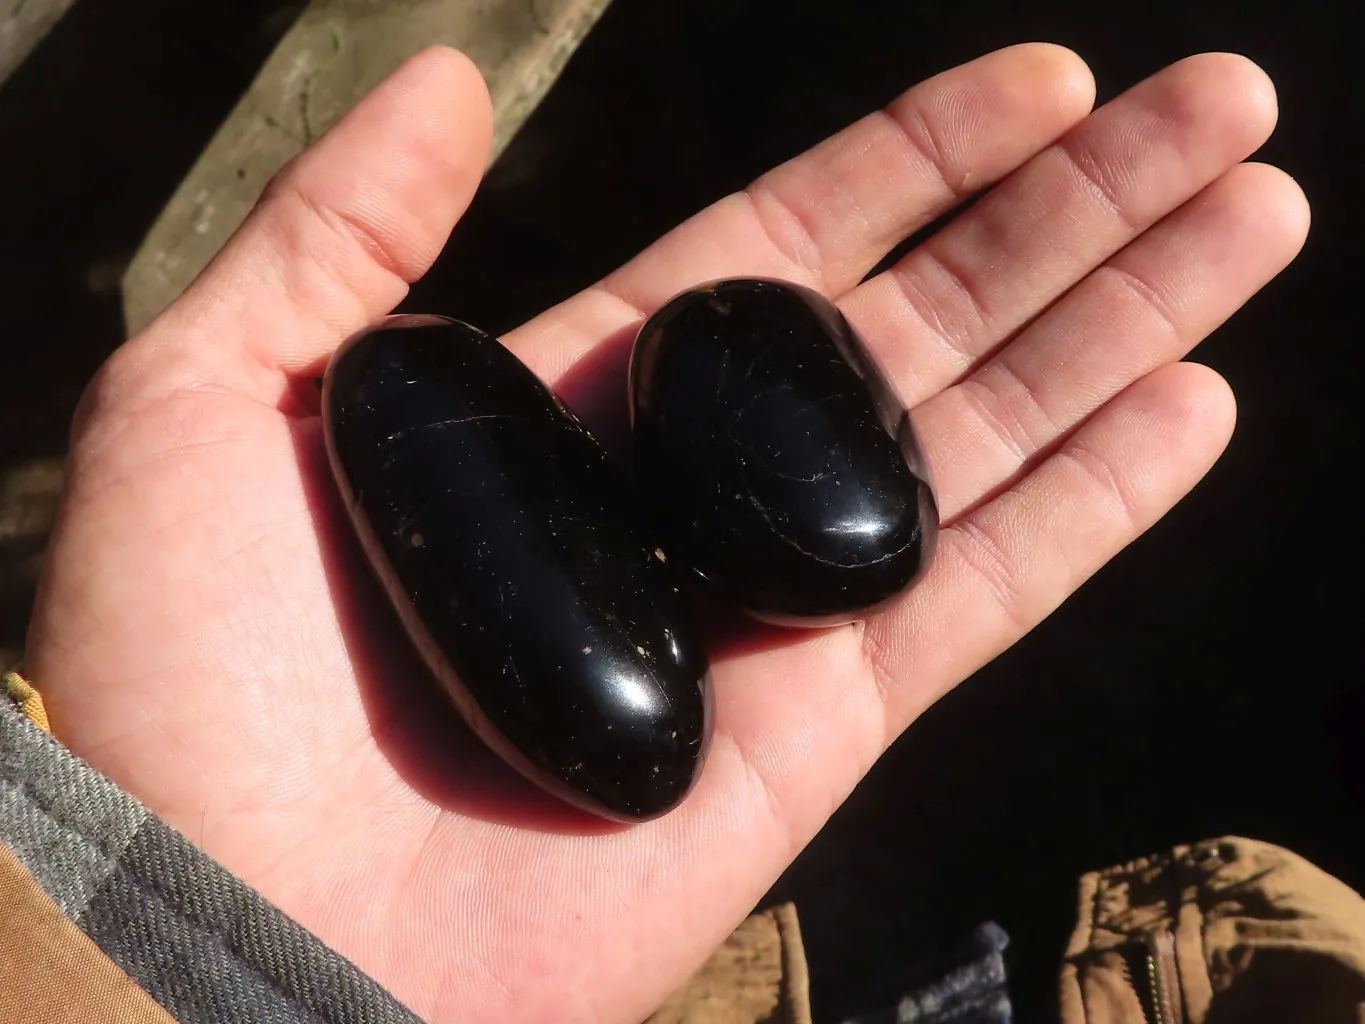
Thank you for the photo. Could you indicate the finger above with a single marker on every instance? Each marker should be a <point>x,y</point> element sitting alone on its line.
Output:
<point>340,233</point>
<point>847,693</point>
<point>1006,566</point>
<point>828,216</point>
<point>958,296</point>
<point>1149,305</point>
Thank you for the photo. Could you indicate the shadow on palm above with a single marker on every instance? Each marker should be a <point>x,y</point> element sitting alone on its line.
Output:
<point>415,726</point>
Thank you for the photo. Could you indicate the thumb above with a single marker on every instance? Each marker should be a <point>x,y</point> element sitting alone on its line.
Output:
<point>335,239</point>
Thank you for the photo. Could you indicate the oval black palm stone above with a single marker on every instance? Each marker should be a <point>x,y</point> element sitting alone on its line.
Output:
<point>518,559</point>
<point>773,452</point>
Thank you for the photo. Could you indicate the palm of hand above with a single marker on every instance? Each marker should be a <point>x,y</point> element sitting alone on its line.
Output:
<point>208,635</point>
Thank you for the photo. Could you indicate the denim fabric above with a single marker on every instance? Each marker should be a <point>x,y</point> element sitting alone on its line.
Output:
<point>201,942</point>
<point>67,824</point>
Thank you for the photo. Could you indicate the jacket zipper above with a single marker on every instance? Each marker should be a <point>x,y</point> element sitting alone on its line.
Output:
<point>1162,1001</point>
<point>1148,963</point>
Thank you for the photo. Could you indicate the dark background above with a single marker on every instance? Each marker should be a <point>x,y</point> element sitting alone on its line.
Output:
<point>1207,682</point>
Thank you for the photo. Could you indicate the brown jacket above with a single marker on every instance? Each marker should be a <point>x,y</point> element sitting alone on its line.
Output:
<point>1228,930</point>
<point>109,917</point>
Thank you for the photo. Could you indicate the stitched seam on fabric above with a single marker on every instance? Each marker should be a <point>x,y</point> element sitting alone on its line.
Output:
<point>29,735</point>
<point>1100,883</point>
<point>25,787</point>
<point>154,892</point>
<point>1181,871</point>
<point>162,897</point>
<point>1194,882</point>
<point>150,886</point>
<point>106,852</point>
<point>28,790</point>
<point>1201,890</point>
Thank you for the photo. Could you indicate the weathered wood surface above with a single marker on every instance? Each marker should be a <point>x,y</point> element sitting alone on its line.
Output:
<point>336,52</point>
<point>23,23</point>
<point>28,502</point>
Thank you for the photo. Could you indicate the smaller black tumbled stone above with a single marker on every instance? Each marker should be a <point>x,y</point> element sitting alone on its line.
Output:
<point>773,452</point>
<point>519,562</point>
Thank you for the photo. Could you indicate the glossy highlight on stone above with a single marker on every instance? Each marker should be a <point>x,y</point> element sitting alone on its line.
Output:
<point>773,452</point>
<point>519,562</point>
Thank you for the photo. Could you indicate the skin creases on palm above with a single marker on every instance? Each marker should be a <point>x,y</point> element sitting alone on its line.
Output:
<point>206,632</point>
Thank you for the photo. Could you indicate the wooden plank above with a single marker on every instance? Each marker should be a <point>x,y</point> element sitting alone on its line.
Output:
<point>28,504</point>
<point>23,24</point>
<point>336,52</point>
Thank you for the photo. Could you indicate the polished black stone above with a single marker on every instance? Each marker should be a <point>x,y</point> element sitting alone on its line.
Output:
<point>518,559</point>
<point>775,455</point>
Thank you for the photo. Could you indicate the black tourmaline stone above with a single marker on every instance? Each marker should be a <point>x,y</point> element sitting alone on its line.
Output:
<point>520,564</point>
<point>775,455</point>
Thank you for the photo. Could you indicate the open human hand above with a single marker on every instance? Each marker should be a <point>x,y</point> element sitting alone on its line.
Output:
<point>208,634</point>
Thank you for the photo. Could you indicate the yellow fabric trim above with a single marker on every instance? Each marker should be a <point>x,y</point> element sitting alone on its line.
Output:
<point>30,701</point>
